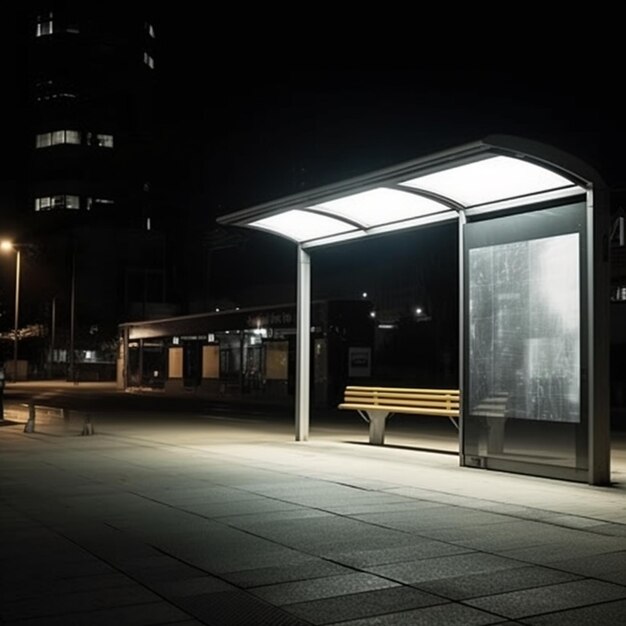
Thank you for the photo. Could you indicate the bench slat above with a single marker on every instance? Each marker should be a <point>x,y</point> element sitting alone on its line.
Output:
<point>418,403</point>
<point>403,390</point>
<point>402,396</point>
<point>401,409</point>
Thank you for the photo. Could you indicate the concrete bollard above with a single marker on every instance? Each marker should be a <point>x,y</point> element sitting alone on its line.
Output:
<point>87,426</point>
<point>30,424</point>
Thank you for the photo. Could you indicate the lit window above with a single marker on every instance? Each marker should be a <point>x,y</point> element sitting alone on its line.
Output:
<point>93,202</point>
<point>56,96</point>
<point>148,60</point>
<point>44,25</point>
<point>43,140</point>
<point>61,201</point>
<point>72,136</point>
<point>104,141</point>
<point>42,204</point>
<point>72,202</point>
<point>57,137</point>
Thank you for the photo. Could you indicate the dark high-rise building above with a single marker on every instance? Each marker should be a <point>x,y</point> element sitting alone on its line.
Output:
<point>91,88</point>
<point>93,254</point>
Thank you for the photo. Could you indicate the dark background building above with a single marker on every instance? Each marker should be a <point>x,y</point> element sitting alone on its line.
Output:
<point>132,129</point>
<point>79,198</point>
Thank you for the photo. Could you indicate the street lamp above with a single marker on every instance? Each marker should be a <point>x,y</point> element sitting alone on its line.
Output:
<point>8,246</point>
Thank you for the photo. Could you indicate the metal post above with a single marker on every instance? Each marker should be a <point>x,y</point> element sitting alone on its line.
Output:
<point>53,324</point>
<point>462,403</point>
<point>303,346</point>
<point>140,362</point>
<point>125,364</point>
<point>72,315</point>
<point>18,259</point>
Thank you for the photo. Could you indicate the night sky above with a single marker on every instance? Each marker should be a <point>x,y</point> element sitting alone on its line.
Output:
<point>252,107</point>
<point>286,115</point>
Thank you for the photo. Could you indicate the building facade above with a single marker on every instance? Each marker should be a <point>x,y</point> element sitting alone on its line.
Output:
<point>93,254</point>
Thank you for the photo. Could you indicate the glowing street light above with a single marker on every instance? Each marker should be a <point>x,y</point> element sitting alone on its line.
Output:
<point>9,246</point>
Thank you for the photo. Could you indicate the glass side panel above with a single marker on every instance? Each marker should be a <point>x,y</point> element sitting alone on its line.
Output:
<point>525,284</point>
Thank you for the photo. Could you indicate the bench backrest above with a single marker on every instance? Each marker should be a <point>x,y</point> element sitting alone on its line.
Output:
<point>447,399</point>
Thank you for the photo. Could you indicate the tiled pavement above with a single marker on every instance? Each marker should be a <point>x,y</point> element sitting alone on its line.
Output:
<point>227,522</point>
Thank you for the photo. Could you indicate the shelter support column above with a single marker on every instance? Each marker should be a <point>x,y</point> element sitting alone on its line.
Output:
<point>461,232</point>
<point>598,324</point>
<point>303,346</point>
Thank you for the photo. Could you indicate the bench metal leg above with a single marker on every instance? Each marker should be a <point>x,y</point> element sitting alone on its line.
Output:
<point>377,426</point>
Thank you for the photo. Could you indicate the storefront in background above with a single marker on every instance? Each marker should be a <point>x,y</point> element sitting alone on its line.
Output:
<point>249,352</point>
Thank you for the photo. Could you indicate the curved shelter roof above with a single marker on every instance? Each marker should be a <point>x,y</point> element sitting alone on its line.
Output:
<point>494,174</point>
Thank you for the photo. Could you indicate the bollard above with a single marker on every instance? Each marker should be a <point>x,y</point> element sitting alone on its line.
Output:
<point>1,394</point>
<point>87,426</point>
<point>30,424</point>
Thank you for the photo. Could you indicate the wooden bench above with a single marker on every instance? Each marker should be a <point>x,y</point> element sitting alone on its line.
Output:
<point>376,404</point>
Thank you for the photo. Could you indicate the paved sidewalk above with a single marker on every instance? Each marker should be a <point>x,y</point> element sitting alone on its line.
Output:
<point>226,521</point>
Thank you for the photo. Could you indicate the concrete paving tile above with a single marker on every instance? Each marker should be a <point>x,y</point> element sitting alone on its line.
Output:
<point>440,615</point>
<point>522,604</point>
<point>327,587</point>
<point>410,572</point>
<point>315,533</point>
<point>361,508</point>
<point>617,577</point>
<point>177,588</point>
<point>235,609</point>
<point>500,538</point>
<point>176,570</point>
<point>475,585</point>
<point>212,559</point>
<point>31,587</point>
<point>605,613</point>
<point>238,507</point>
<point>613,530</point>
<point>595,565</point>
<point>417,549</point>
<point>437,517</point>
<point>353,606</point>
<point>582,546</point>
<point>187,622</point>
<point>208,495</point>
<point>136,615</point>
<point>305,570</point>
<point>33,567</point>
<point>256,520</point>
<point>573,521</point>
<point>59,604</point>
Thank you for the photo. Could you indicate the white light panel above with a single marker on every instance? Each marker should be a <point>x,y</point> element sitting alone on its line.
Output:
<point>302,225</point>
<point>490,180</point>
<point>381,206</point>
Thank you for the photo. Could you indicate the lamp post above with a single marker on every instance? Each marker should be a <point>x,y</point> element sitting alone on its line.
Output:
<point>7,246</point>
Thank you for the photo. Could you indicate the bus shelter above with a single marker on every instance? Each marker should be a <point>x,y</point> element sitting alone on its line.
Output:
<point>534,292</point>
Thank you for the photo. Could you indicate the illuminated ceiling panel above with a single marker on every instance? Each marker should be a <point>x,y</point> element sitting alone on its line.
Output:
<point>380,206</point>
<point>490,180</point>
<point>498,174</point>
<point>303,225</point>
